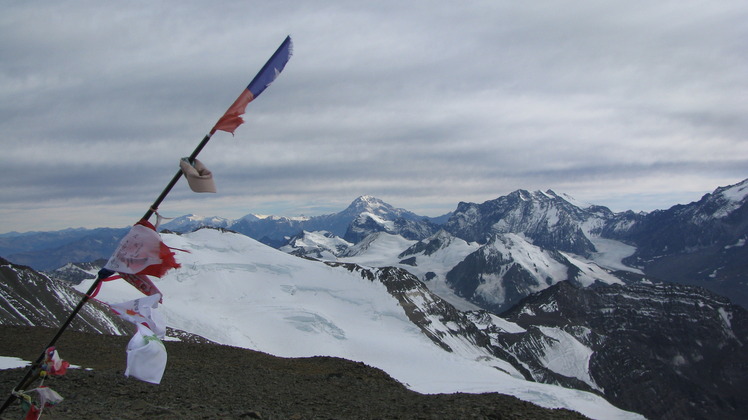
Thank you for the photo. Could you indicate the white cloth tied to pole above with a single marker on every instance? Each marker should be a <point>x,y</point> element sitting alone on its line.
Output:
<point>146,356</point>
<point>198,176</point>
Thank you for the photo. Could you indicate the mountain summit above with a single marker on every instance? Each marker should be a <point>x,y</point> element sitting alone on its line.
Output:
<point>547,219</point>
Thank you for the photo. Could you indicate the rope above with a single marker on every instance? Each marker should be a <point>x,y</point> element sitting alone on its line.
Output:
<point>159,218</point>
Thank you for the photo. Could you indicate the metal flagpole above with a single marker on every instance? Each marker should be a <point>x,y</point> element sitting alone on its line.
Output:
<point>262,80</point>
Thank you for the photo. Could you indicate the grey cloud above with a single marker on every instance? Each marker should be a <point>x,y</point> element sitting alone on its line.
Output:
<point>422,103</point>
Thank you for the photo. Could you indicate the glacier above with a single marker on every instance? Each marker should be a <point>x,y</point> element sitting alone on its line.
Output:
<point>237,291</point>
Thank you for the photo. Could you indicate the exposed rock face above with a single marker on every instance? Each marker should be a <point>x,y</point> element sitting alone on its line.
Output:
<point>30,298</point>
<point>664,350</point>
<point>76,272</point>
<point>508,268</point>
<point>547,219</point>
<point>701,243</point>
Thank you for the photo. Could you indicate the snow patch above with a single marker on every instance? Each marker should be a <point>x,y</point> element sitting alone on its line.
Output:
<point>12,362</point>
<point>738,244</point>
<point>610,254</point>
<point>736,193</point>
<point>568,356</point>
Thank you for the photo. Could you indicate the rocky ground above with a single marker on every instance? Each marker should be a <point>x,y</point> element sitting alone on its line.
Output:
<point>208,381</point>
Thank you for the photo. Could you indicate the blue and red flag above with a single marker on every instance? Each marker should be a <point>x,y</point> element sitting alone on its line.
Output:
<point>232,118</point>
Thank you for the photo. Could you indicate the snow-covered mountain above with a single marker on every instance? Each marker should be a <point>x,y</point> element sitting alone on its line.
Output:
<point>365,215</point>
<point>508,268</point>
<point>322,245</point>
<point>372,215</point>
<point>702,243</point>
<point>490,255</point>
<point>76,272</point>
<point>544,218</point>
<point>233,290</point>
<point>718,218</point>
<point>190,222</point>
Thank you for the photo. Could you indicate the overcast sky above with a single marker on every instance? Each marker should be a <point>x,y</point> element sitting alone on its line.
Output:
<point>629,104</point>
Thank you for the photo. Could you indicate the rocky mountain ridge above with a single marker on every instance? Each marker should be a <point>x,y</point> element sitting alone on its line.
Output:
<point>28,298</point>
<point>641,339</point>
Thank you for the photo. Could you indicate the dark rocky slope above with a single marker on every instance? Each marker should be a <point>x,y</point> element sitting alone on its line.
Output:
<point>664,350</point>
<point>211,381</point>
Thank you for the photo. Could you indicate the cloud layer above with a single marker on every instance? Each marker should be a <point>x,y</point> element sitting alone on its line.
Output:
<point>633,105</point>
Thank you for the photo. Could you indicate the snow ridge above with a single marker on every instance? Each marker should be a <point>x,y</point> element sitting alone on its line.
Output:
<point>236,291</point>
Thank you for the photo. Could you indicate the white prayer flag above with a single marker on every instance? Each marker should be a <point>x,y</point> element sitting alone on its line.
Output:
<point>146,356</point>
<point>143,311</point>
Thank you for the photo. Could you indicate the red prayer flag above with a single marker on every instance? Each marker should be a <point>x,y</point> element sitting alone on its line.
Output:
<point>141,251</point>
<point>272,68</point>
<point>140,254</point>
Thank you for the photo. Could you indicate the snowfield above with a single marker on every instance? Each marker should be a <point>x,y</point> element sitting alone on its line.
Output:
<point>239,292</point>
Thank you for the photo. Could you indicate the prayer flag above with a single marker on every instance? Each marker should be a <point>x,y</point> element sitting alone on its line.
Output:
<point>141,251</point>
<point>146,356</point>
<point>53,363</point>
<point>142,283</point>
<point>143,311</point>
<point>47,396</point>
<point>232,118</point>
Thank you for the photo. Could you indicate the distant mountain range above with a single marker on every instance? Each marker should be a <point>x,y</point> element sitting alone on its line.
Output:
<point>701,243</point>
<point>534,284</point>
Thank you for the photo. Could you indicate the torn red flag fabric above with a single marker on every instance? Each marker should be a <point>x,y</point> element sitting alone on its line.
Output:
<point>142,283</point>
<point>143,311</point>
<point>46,397</point>
<point>33,413</point>
<point>53,363</point>
<point>146,356</point>
<point>272,68</point>
<point>142,252</point>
